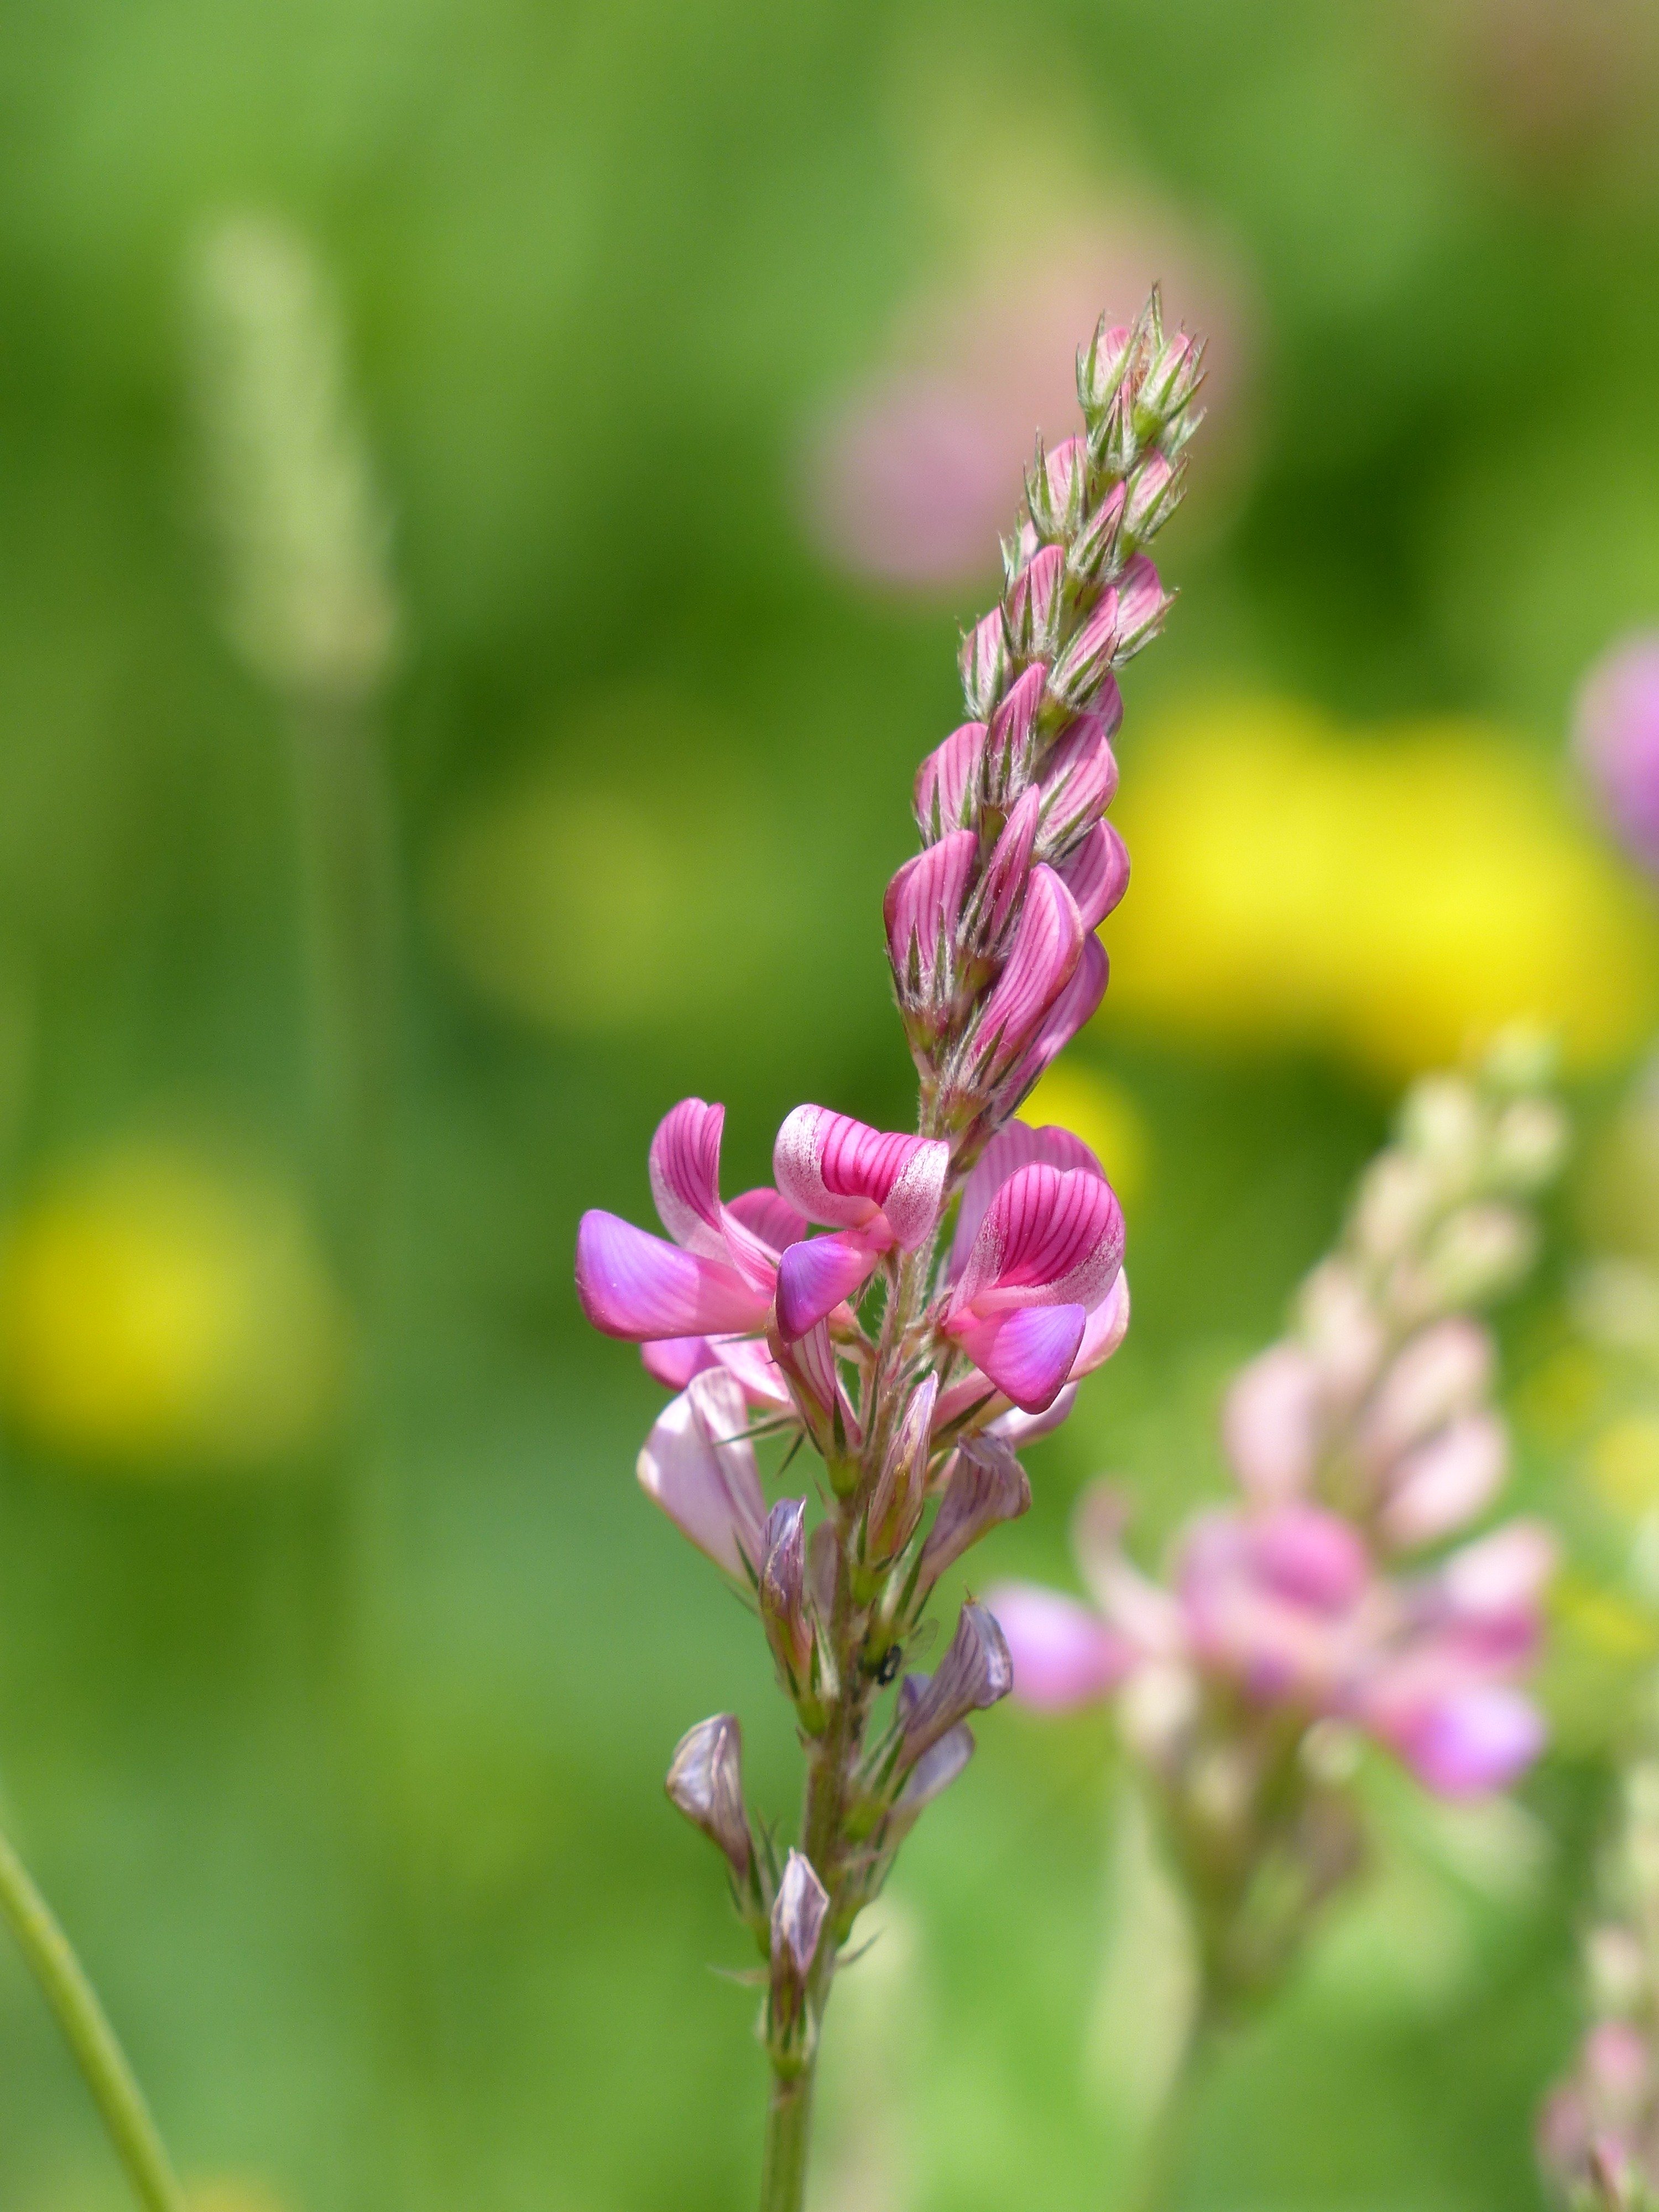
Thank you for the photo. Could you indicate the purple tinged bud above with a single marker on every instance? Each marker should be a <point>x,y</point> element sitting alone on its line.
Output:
<point>922,909</point>
<point>705,1782</point>
<point>1045,956</point>
<point>798,1912</point>
<point>1154,494</point>
<point>1004,884</point>
<point>1084,665</point>
<point>1616,740</point>
<point>1079,777</point>
<point>1057,490</point>
<point>1100,367</point>
<point>1142,604</point>
<point>1096,873</point>
<point>974,1672</point>
<point>984,664</point>
<point>931,1776</point>
<point>947,783</point>
<point>900,1489</point>
<point>1010,741</point>
<point>987,1486</point>
<point>783,1587</point>
<point>1094,551</point>
<point>1034,602</point>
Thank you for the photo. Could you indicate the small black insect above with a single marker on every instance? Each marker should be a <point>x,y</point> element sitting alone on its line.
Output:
<point>891,1660</point>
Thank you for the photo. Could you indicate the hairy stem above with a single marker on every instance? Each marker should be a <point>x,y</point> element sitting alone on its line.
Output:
<point>120,2101</point>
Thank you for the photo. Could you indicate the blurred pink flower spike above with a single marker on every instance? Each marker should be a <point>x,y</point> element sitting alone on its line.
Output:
<point>878,1190</point>
<point>699,1466</point>
<point>1475,1739</point>
<point>1064,1654</point>
<point>1038,1249</point>
<point>1616,738</point>
<point>717,1277</point>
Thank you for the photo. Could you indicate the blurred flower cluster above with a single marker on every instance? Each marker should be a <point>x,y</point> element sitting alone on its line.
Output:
<point>1291,1622</point>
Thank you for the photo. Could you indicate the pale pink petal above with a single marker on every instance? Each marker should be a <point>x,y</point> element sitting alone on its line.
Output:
<point>1445,1483</point>
<point>685,1176</point>
<point>1027,1352</point>
<point>947,782</point>
<point>1096,873</point>
<point>983,661</point>
<point>764,1214</point>
<point>1017,1430</point>
<point>632,1284</point>
<point>756,1373</point>
<point>817,1274</point>
<point>843,1173</point>
<point>1087,659</point>
<point>1142,603</point>
<point>1108,1324</point>
<point>1444,1371</point>
<point>1271,1423</point>
<point>675,1359</point>
<point>1048,1237</point>
<point>1474,1742</point>
<point>1064,1654</point>
<point>699,1466</point>
<point>1015,1146</point>
<point>1046,952</point>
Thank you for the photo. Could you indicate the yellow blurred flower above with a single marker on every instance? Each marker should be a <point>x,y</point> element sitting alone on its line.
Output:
<point>154,1306</point>
<point>1097,1109</point>
<point>1625,1463</point>
<point>1393,900</point>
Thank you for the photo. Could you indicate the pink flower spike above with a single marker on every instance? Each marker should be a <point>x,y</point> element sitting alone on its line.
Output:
<point>1096,873</point>
<point>699,1466</point>
<point>1049,1236</point>
<point>817,1274</point>
<point>1027,1351</point>
<point>1270,1424</point>
<point>1064,1654</point>
<point>1045,956</point>
<point>632,1285</point>
<point>947,782</point>
<point>842,1173</point>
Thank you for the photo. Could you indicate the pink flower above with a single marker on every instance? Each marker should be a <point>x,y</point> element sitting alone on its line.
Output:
<point>1037,1250</point>
<point>876,1189</point>
<point>1279,1601</point>
<point>1064,1653</point>
<point>1616,737</point>
<point>717,1277</point>
<point>699,1466</point>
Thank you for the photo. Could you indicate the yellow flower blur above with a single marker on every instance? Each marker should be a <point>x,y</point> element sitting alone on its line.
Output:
<point>1097,1109</point>
<point>154,1307</point>
<point>1393,899</point>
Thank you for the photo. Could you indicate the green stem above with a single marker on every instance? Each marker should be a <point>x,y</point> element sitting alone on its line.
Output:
<point>120,2101</point>
<point>788,2136</point>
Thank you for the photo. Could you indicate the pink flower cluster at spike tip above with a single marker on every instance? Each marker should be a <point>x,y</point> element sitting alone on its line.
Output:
<point>1367,1434</point>
<point>1598,2133</point>
<point>1616,738</point>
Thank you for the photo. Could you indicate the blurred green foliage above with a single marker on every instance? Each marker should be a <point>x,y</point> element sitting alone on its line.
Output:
<point>344,1769</point>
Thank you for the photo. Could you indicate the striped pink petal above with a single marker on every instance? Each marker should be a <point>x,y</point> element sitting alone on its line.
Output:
<point>632,1284</point>
<point>1077,1003</point>
<point>817,1274</point>
<point>1064,1654</point>
<point>686,1175</point>
<point>1049,1236</point>
<point>983,661</point>
<point>1079,776</point>
<point>840,1172</point>
<point>947,782</point>
<point>1016,1145</point>
<point>1009,865</point>
<point>1096,873</point>
<point>1027,1352</point>
<point>1011,739</point>
<point>1142,603</point>
<point>1108,1324</point>
<point>923,905</point>
<point>1044,959</point>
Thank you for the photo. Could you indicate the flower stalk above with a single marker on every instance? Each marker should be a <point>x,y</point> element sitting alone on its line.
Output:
<point>63,1980</point>
<point>967,1276</point>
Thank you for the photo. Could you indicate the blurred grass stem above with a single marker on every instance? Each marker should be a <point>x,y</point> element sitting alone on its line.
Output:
<point>788,2136</point>
<point>120,2099</point>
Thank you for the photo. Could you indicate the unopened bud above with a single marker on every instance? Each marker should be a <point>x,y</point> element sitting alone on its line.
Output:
<point>1153,494</point>
<point>1011,742</point>
<point>984,664</point>
<point>1034,602</point>
<point>1087,660</point>
<point>1101,365</point>
<point>931,1776</point>
<point>1056,490</point>
<point>798,1911</point>
<point>1166,390</point>
<point>705,1781</point>
<point>987,1486</point>
<point>783,1587</point>
<point>1442,1122</point>
<point>1479,1253</point>
<point>902,1488</point>
<point>1142,604</point>
<point>947,783</point>
<point>974,1674</point>
<point>1096,552</point>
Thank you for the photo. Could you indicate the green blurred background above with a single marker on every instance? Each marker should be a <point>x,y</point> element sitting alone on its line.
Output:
<point>340,1657</point>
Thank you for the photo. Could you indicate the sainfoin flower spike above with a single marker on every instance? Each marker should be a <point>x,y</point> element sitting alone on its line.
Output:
<point>1292,1620</point>
<point>914,1305</point>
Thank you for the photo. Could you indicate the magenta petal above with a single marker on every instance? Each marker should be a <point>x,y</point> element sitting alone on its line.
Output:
<point>841,1172</point>
<point>1048,1237</point>
<point>1079,780</point>
<point>1045,954</point>
<point>924,904</point>
<point>1141,605</point>
<point>1016,1145</point>
<point>1064,1654</point>
<point>674,1360</point>
<point>1076,1004</point>
<point>1473,1742</point>
<point>1096,873</point>
<point>1010,865</point>
<point>686,1175</point>
<point>1027,1352</point>
<point>816,1275</point>
<point>632,1284</point>
<point>947,782</point>
<point>764,1214</point>
<point>1011,736</point>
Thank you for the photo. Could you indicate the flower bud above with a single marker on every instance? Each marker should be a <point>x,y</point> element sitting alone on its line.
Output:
<point>1142,604</point>
<point>929,1778</point>
<point>1002,889</point>
<point>902,1488</point>
<point>1444,1370</point>
<point>923,911</point>
<point>1086,662</point>
<point>1096,550</point>
<point>1047,949</point>
<point>1034,604</point>
<point>1442,1124</point>
<point>1153,494</point>
<point>984,664</point>
<point>705,1782</point>
<point>1480,1252</point>
<point>782,1589</point>
<point>947,783</point>
<point>1101,366</point>
<point>1166,390</point>
<point>1079,778</point>
<point>1010,741</point>
<point>974,1674</point>
<point>987,1486</point>
<point>1096,872</point>
<point>1529,1144</point>
<point>798,1912</point>
<point>1057,489</point>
